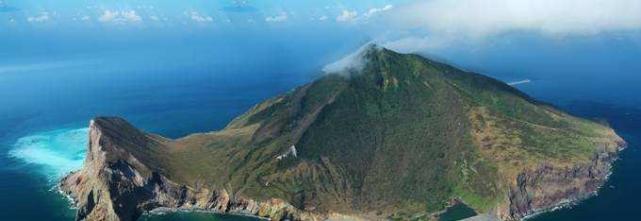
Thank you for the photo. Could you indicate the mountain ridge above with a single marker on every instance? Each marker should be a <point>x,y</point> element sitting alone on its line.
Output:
<point>399,137</point>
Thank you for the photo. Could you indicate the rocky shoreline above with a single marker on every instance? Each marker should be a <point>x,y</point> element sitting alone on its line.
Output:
<point>115,185</point>
<point>424,133</point>
<point>164,210</point>
<point>575,197</point>
<point>548,188</point>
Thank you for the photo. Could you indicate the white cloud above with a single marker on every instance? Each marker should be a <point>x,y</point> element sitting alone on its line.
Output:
<point>131,16</point>
<point>412,44</point>
<point>194,15</point>
<point>351,62</point>
<point>85,18</point>
<point>482,18</point>
<point>277,18</point>
<point>347,16</point>
<point>108,16</point>
<point>126,16</point>
<point>323,18</point>
<point>373,11</point>
<point>42,17</point>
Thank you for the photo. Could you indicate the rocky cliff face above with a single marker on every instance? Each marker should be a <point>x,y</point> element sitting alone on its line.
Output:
<point>399,138</point>
<point>115,185</point>
<point>546,187</point>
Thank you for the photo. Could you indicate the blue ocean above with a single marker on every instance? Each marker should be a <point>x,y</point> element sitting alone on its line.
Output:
<point>176,84</point>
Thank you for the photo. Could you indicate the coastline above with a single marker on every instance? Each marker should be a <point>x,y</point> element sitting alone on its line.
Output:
<point>167,210</point>
<point>564,204</point>
<point>610,159</point>
<point>561,205</point>
<point>570,203</point>
<point>68,197</point>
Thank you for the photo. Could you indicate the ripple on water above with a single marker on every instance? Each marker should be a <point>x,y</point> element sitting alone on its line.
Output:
<point>53,153</point>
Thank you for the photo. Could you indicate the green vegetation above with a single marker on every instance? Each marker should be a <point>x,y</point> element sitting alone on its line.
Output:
<point>401,138</point>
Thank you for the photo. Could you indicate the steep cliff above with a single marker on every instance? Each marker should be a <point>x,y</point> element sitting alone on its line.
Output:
<point>119,180</point>
<point>396,137</point>
<point>548,186</point>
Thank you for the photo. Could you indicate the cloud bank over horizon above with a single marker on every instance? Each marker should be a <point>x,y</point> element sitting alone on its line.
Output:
<point>402,25</point>
<point>471,18</point>
<point>481,18</point>
<point>424,25</point>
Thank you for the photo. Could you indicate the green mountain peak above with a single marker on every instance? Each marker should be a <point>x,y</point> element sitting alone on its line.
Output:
<point>399,137</point>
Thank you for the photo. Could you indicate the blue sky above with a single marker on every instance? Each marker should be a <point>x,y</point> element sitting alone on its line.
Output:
<point>419,24</point>
<point>160,13</point>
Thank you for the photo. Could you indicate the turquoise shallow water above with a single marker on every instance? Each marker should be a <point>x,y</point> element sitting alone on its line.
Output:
<point>51,154</point>
<point>54,153</point>
<point>45,109</point>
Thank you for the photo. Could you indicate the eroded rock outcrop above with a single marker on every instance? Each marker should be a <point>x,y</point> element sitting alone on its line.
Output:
<point>548,186</point>
<point>115,184</point>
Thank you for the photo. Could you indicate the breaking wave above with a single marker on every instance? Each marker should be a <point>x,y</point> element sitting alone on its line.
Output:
<point>53,153</point>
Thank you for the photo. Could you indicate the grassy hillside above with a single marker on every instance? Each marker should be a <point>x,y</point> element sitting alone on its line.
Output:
<point>402,137</point>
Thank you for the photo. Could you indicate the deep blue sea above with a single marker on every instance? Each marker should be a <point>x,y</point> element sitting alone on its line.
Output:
<point>177,84</point>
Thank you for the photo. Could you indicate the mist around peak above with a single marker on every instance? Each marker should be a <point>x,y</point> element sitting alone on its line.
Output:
<point>353,62</point>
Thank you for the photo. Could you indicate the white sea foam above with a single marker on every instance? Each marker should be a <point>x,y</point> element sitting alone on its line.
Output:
<point>54,153</point>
